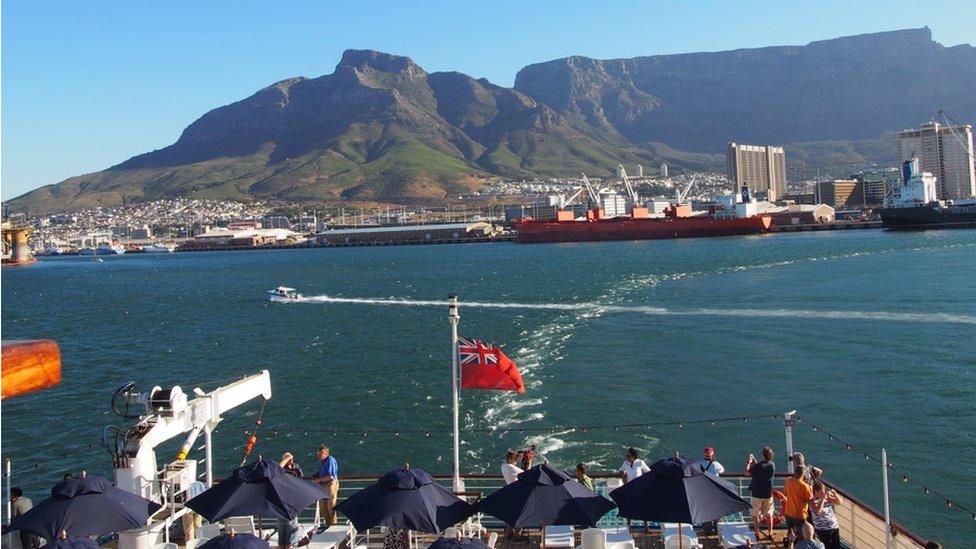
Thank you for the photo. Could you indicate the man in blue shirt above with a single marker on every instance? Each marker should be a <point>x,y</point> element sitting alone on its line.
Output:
<point>328,476</point>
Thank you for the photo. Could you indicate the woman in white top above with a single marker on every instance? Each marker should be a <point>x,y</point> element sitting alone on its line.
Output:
<point>633,466</point>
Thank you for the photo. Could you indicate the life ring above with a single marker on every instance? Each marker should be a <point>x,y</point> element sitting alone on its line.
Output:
<point>779,495</point>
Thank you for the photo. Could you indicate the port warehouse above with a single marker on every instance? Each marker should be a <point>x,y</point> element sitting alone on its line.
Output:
<point>478,231</point>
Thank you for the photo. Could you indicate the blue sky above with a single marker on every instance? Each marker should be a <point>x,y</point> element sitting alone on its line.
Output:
<point>87,84</point>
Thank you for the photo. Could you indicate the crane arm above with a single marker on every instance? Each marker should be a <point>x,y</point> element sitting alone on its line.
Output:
<point>594,197</point>
<point>572,198</point>
<point>630,189</point>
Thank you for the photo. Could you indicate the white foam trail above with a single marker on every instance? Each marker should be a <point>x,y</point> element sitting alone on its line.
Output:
<point>888,316</point>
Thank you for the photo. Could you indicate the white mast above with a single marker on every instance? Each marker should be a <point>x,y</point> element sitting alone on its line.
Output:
<point>453,317</point>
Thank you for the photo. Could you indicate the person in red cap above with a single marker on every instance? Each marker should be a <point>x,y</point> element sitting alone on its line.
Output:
<point>711,465</point>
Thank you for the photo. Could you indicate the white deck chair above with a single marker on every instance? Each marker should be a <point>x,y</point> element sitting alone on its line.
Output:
<point>240,525</point>
<point>207,531</point>
<point>559,536</point>
<point>684,541</point>
<point>593,538</point>
<point>734,534</point>
<point>492,540</point>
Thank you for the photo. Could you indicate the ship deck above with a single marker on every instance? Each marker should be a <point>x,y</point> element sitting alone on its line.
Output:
<point>861,525</point>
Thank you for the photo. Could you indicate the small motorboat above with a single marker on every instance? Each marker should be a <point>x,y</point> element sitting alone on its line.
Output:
<point>283,293</point>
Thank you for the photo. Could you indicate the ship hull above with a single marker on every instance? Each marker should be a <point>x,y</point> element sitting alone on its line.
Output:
<point>532,231</point>
<point>929,217</point>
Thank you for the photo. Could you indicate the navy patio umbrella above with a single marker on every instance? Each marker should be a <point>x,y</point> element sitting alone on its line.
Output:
<point>677,490</point>
<point>261,489</point>
<point>458,543</point>
<point>544,496</point>
<point>407,499</point>
<point>73,543</point>
<point>235,541</point>
<point>89,506</point>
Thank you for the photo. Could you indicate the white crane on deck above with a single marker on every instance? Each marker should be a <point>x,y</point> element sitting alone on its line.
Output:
<point>167,414</point>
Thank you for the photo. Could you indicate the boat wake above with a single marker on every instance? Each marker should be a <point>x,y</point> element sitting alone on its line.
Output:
<point>884,316</point>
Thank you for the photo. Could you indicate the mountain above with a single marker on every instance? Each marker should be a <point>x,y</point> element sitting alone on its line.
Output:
<point>380,128</point>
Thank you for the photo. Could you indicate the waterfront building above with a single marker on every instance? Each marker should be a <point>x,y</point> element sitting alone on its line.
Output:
<point>837,192</point>
<point>613,203</point>
<point>760,167</point>
<point>946,152</point>
<point>408,234</point>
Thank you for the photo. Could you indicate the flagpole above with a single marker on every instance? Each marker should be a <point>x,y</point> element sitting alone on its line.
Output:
<point>454,317</point>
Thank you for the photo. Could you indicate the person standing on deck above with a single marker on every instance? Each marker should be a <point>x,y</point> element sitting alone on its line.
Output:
<point>631,468</point>
<point>582,477</point>
<point>761,489</point>
<point>797,505</point>
<point>328,476</point>
<point>289,531</point>
<point>21,505</point>
<point>511,471</point>
<point>709,464</point>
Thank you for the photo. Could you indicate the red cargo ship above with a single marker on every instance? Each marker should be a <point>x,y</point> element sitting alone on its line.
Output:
<point>677,223</point>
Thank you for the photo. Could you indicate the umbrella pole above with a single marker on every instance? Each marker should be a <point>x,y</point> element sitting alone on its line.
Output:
<point>452,315</point>
<point>681,537</point>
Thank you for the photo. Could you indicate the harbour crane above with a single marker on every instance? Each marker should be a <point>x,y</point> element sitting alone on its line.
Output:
<point>681,195</point>
<point>591,191</point>
<point>630,188</point>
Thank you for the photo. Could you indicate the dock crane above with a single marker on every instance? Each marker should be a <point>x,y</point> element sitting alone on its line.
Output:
<point>630,188</point>
<point>679,196</point>
<point>161,415</point>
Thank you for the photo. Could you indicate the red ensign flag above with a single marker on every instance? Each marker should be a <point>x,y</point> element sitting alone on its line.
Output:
<point>484,366</point>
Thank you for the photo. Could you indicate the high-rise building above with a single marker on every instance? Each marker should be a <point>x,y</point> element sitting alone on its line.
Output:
<point>946,152</point>
<point>664,170</point>
<point>760,167</point>
<point>838,193</point>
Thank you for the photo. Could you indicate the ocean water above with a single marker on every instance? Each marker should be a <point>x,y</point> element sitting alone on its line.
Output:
<point>868,334</point>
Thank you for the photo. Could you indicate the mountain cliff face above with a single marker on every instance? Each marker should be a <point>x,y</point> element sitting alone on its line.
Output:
<point>847,88</point>
<point>381,128</point>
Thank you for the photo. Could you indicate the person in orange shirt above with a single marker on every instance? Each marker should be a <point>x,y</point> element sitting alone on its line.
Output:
<point>797,504</point>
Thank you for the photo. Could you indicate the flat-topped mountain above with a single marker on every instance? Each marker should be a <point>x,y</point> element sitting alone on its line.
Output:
<point>382,128</point>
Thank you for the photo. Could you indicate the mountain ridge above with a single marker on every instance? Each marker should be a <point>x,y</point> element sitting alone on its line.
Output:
<point>381,128</point>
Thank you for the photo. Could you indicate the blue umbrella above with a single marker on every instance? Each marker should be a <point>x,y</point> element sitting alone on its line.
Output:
<point>261,489</point>
<point>677,490</point>
<point>89,506</point>
<point>73,543</point>
<point>544,496</point>
<point>407,499</point>
<point>458,543</point>
<point>235,541</point>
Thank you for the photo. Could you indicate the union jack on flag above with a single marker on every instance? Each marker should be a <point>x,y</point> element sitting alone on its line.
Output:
<point>484,366</point>
<point>473,351</point>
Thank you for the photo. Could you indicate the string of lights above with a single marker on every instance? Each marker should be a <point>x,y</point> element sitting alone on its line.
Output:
<point>37,464</point>
<point>274,433</point>
<point>904,474</point>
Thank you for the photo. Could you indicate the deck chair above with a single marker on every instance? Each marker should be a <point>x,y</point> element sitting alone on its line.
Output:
<point>207,531</point>
<point>593,538</point>
<point>492,540</point>
<point>558,536</point>
<point>681,540</point>
<point>669,531</point>
<point>240,525</point>
<point>735,534</point>
<point>452,533</point>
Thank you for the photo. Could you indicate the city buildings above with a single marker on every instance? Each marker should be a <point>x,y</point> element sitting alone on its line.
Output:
<point>760,167</point>
<point>946,152</point>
